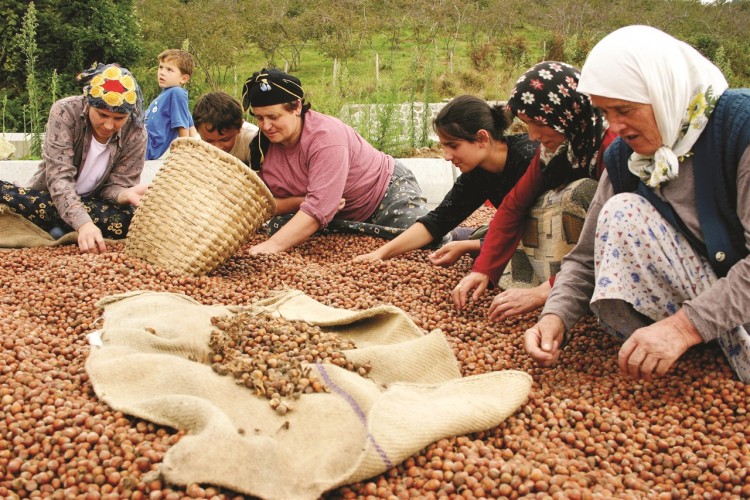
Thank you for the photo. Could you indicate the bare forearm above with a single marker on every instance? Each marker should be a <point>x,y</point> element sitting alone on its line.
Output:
<point>298,229</point>
<point>415,237</point>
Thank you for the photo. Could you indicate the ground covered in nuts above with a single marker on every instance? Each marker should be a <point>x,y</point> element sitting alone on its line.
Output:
<point>585,432</point>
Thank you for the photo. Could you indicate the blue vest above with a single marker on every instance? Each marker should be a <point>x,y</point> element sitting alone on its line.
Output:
<point>717,154</point>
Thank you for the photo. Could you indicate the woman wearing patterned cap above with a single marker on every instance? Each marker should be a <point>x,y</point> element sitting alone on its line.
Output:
<point>92,158</point>
<point>663,258</point>
<point>320,171</point>
<point>560,179</point>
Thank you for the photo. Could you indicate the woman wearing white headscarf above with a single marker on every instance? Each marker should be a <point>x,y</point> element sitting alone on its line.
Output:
<point>666,240</point>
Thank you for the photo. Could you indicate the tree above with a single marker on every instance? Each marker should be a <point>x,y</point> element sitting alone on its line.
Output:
<point>29,50</point>
<point>338,28</point>
<point>281,31</point>
<point>10,58</point>
<point>70,36</point>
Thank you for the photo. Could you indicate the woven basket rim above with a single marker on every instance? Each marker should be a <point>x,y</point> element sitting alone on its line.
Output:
<point>209,148</point>
<point>223,155</point>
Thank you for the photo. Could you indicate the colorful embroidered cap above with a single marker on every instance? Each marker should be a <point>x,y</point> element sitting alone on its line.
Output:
<point>271,86</point>
<point>110,87</point>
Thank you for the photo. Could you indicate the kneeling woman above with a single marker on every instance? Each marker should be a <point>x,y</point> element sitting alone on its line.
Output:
<point>321,171</point>
<point>663,260</point>
<point>474,138</point>
<point>572,136</point>
<point>92,158</point>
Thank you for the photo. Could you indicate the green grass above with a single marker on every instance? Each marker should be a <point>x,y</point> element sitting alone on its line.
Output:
<point>407,74</point>
<point>357,83</point>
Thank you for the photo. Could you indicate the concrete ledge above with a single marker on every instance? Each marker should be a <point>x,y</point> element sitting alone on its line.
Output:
<point>435,175</point>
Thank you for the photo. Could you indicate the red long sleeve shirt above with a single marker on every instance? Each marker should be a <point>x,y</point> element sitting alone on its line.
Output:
<point>506,227</point>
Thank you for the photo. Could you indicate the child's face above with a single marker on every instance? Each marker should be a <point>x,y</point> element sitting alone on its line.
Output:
<point>170,75</point>
<point>224,140</point>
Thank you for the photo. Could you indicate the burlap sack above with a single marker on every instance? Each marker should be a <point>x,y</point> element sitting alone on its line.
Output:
<point>18,232</point>
<point>413,396</point>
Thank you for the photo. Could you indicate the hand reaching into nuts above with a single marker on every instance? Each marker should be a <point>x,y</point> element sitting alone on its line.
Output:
<point>543,340</point>
<point>653,349</point>
<point>368,257</point>
<point>90,239</point>
<point>448,254</point>
<point>518,301</point>
<point>476,282</point>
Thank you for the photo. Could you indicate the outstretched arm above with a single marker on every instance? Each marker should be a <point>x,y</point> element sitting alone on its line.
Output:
<point>298,229</point>
<point>415,237</point>
<point>448,254</point>
<point>132,195</point>
<point>518,301</point>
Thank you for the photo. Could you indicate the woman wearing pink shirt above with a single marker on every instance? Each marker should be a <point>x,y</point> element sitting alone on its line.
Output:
<point>320,171</point>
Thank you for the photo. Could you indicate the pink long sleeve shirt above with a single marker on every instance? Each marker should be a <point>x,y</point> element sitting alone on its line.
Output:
<point>329,162</point>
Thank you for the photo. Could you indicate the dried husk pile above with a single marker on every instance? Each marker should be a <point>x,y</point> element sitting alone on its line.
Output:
<point>266,353</point>
<point>585,432</point>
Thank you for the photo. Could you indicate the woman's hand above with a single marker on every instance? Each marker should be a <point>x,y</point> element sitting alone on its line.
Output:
<point>476,282</point>
<point>132,195</point>
<point>543,340</point>
<point>518,301</point>
<point>448,254</point>
<point>368,257</point>
<point>267,246</point>
<point>90,239</point>
<point>653,349</point>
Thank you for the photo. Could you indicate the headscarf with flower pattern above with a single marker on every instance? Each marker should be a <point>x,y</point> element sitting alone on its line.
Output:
<point>547,93</point>
<point>110,87</point>
<point>644,65</point>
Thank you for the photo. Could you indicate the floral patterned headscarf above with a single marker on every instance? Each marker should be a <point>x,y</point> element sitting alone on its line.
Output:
<point>110,87</point>
<point>547,93</point>
<point>644,65</point>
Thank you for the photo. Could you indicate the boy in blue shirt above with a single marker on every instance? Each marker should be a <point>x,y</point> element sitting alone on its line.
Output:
<point>168,116</point>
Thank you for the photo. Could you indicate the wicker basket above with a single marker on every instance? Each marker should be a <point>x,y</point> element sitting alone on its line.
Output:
<point>202,206</point>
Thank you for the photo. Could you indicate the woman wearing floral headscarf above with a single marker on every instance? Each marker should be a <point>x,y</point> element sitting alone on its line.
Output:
<point>92,158</point>
<point>663,258</point>
<point>572,136</point>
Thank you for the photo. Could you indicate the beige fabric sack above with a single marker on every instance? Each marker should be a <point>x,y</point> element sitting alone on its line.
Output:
<point>18,232</point>
<point>150,365</point>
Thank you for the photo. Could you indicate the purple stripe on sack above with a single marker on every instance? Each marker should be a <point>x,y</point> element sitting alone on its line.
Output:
<point>357,410</point>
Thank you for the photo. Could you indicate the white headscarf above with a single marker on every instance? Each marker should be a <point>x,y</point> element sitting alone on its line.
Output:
<point>644,65</point>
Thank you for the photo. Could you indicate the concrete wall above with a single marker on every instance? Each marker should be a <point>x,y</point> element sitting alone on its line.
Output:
<point>435,175</point>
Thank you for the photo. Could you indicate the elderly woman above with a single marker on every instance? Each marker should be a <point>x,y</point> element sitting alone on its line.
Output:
<point>665,245</point>
<point>320,171</point>
<point>92,158</point>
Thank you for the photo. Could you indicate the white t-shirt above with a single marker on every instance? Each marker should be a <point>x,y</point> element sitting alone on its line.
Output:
<point>93,169</point>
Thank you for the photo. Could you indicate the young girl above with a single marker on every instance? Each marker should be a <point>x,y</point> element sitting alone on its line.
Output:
<point>573,136</point>
<point>472,134</point>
